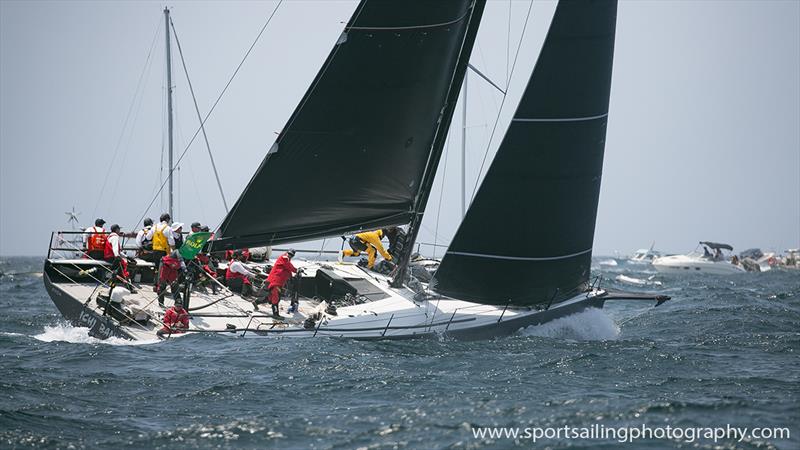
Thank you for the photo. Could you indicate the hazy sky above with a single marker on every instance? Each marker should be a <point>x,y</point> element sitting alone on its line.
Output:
<point>703,137</point>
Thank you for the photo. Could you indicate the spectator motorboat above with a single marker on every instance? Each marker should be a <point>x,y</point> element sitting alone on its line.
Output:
<point>714,259</point>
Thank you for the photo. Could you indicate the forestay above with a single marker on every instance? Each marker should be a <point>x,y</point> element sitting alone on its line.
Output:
<point>353,153</point>
<point>527,236</point>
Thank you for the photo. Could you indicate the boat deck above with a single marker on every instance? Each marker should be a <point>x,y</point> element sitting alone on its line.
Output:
<point>376,311</point>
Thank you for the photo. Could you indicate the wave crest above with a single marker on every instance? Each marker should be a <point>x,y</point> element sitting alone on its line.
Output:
<point>590,325</point>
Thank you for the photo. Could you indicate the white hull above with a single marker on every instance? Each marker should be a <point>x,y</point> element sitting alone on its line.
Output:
<point>394,315</point>
<point>695,264</point>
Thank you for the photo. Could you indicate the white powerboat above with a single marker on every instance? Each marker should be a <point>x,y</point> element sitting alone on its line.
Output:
<point>713,260</point>
<point>644,256</point>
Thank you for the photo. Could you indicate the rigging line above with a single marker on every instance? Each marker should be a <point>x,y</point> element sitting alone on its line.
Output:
<point>128,143</point>
<point>441,191</point>
<point>180,139</point>
<point>196,189</point>
<point>191,174</point>
<point>299,107</point>
<point>475,69</point>
<point>508,44</point>
<point>439,138</point>
<point>430,230</point>
<point>483,61</point>
<point>497,120</point>
<point>199,116</point>
<point>219,97</point>
<point>128,115</point>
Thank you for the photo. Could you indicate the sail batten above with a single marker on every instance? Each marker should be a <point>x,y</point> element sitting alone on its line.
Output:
<point>559,119</point>
<point>407,27</point>
<point>519,258</point>
<point>353,153</point>
<point>527,236</point>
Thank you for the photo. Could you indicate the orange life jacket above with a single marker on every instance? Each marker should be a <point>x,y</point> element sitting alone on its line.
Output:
<point>97,240</point>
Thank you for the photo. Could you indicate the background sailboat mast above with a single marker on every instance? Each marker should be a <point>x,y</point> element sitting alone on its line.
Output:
<point>169,108</point>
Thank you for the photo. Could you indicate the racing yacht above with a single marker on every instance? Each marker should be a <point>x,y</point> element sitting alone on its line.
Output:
<point>393,122</point>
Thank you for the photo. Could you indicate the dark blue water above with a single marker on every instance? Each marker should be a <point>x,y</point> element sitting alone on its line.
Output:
<point>723,351</point>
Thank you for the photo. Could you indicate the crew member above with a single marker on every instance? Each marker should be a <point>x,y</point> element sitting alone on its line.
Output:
<point>144,246</point>
<point>238,277</point>
<point>195,228</point>
<point>94,239</point>
<point>369,241</point>
<point>397,238</point>
<point>169,275</point>
<point>245,253</point>
<point>119,264</point>
<point>176,320</point>
<point>162,238</point>
<point>177,235</point>
<point>207,274</point>
<point>281,273</point>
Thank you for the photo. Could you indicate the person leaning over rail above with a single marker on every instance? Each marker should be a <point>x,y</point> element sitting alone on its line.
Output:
<point>163,239</point>
<point>94,240</point>
<point>176,320</point>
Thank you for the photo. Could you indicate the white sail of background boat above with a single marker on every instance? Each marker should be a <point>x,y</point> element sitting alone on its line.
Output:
<point>382,104</point>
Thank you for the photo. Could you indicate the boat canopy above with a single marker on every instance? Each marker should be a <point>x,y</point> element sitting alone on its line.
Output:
<point>716,245</point>
<point>528,234</point>
<point>353,154</point>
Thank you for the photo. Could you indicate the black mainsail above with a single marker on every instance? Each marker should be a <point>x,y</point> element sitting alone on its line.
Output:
<point>354,152</point>
<point>527,236</point>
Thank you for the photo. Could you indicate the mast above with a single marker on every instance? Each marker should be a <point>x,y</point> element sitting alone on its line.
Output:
<point>464,149</point>
<point>435,154</point>
<point>169,108</point>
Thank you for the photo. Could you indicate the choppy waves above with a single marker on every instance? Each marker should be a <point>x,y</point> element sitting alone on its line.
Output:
<point>724,350</point>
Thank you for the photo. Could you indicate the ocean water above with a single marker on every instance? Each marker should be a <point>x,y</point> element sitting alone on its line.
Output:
<point>723,352</point>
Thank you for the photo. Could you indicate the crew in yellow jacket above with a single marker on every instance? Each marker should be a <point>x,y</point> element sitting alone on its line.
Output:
<point>369,241</point>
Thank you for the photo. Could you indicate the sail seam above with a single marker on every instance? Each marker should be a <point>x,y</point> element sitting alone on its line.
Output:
<point>561,119</point>
<point>412,27</point>
<point>519,258</point>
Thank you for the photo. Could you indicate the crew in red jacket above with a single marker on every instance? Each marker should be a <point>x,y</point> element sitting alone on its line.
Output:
<point>237,277</point>
<point>176,320</point>
<point>281,273</point>
<point>112,253</point>
<point>169,271</point>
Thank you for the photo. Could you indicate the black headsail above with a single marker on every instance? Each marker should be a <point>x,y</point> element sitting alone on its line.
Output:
<point>527,236</point>
<point>354,152</point>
